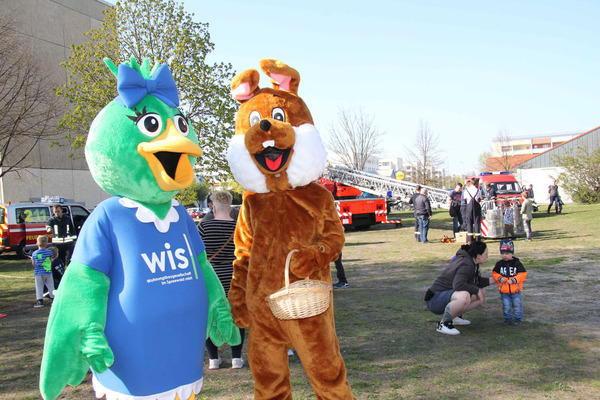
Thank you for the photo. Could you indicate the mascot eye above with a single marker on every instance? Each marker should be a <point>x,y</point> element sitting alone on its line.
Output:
<point>181,124</point>
<point>279,114</point>
<point>254,118</point>
<point>150,124</point>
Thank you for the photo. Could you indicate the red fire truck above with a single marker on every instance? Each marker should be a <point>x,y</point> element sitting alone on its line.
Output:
<point>506,185</point>
<point>354,210</point>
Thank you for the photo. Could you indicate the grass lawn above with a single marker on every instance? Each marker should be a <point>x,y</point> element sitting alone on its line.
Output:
<point>388,337</point>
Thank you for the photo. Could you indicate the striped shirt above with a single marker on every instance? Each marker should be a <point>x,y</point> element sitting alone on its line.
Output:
<point>215,233</point>
<point>38,257</point>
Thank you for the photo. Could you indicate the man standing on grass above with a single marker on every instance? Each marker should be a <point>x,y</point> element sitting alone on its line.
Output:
<point>423,214</point>
<point>416,194</point>
<point>553,193</point>
<point>63,233</point>
<point>527,213</point>
<point>454,201</point>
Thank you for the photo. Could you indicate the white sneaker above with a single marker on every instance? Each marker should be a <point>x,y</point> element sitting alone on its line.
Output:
<point>447,328</point>
<point>290,353</point>
<point>460,321</point>
<point>237,363</point>
<point>214,364</point>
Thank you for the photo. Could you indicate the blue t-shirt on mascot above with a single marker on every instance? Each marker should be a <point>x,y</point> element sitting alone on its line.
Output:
<point>155,279</point>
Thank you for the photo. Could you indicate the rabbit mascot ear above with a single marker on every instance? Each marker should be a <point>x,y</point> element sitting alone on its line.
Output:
<point>276,154</point>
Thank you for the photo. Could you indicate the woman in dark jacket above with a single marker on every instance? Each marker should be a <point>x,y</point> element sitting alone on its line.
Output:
<point>459,288</point>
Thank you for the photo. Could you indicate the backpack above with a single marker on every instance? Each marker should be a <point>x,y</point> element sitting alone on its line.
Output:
<point>454,208</point>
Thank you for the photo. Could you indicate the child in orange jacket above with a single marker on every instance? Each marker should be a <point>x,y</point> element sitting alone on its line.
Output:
<point>510,274</point>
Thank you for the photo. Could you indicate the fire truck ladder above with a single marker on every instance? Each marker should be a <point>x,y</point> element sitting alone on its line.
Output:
<point>379,185</point>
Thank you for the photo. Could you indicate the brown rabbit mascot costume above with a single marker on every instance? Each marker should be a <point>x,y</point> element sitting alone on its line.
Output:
<point>276,154</point>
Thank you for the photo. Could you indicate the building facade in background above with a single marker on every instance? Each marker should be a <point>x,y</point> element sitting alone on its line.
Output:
<point>49,28</point>
<point>533,144</point>
<point>411,170</point>
<point>389,166</point>
<point>541,169</point>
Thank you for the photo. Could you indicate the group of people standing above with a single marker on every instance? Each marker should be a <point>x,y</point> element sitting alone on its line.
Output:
<point>460,288</point>
<point>465,210</point>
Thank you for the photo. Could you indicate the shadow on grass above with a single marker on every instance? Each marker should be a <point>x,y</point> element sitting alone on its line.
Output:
<point>358,244</point>
<point>15,265</point>
<point>553,234</point>
<point>390,345</point>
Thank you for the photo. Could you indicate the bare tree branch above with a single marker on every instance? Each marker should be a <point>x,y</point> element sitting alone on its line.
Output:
<point>28,106</point>
<point>354,137</point>
<point>426,155</point>
<point>506,160</point>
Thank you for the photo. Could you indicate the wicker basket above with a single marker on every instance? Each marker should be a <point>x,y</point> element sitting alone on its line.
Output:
<point>301,299</point>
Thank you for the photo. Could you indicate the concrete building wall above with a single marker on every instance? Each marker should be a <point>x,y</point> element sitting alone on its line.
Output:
<point>49,28</point>
<point>71,184</point>
<point>541,178</point>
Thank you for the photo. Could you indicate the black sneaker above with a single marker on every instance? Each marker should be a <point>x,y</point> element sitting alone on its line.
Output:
<point>39,304</point>
<point>340,285</point>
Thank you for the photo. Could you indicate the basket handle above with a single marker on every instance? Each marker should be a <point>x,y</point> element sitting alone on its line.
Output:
<point>287,268</point>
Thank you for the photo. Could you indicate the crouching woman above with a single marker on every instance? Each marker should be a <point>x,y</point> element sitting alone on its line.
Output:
<point>460,288</point>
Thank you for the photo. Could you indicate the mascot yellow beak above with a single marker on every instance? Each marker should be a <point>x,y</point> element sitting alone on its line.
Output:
<point>167,156</point>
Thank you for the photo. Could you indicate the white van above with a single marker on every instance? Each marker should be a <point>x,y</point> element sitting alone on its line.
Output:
<point>22,223</point>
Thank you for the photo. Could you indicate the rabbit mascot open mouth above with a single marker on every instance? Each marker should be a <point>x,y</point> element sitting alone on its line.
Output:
<point>276,154</point>
<point>139,297</point>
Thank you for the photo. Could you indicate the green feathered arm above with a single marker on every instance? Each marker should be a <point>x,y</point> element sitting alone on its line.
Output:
<point>220,327</point>
<point>75,333</point>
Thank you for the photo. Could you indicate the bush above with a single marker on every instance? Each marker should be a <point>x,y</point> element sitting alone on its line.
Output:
<point>581,178</point>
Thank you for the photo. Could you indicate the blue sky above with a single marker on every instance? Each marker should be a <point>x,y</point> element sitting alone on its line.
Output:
<point>467,68</point>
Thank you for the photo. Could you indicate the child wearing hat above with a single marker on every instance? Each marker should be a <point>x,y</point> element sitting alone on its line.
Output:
<point>510,274</point>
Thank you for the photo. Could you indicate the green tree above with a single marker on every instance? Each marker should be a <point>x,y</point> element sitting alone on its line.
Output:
<point>162,31</point>
<point>483,160</point>
<point>581,177</point>
<point>196,192</point>
<point>235,189</point>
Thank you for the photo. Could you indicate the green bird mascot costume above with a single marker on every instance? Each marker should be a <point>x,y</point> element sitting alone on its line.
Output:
<point>139,297</point>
